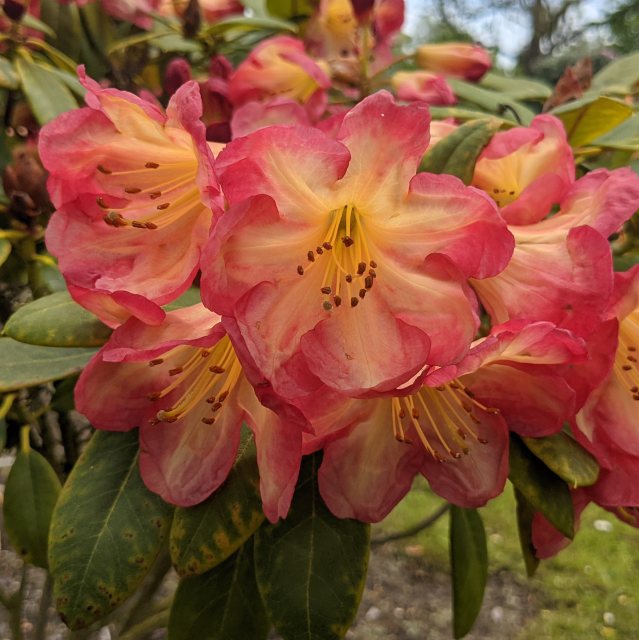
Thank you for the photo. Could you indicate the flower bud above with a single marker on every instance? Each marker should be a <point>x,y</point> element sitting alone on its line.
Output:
<point>460,59</point>
<point>14,9</point>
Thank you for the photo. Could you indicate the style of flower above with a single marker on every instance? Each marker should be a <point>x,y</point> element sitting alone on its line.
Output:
<point>453,428</point>
<point>326,252</point>
<point>136,196</point>
<point>183,385</point>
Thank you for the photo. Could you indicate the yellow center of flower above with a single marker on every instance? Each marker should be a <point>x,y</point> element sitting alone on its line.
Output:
<point>157,194</point>
<point>343,255</point>
<point>443,419</point>
<point>202,375</point>
<point>626,358</point>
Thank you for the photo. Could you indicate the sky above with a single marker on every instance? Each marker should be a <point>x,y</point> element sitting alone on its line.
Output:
<point>509,33</point>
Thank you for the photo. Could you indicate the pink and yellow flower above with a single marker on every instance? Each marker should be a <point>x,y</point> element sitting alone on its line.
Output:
<point>468,61</point>
<point>422,85</point>
<point>329,250</point>
<point>136,196</point>
<point>183,385</point>
<point>279,67</point>
<point>527,170</point>
<point>453,429</point>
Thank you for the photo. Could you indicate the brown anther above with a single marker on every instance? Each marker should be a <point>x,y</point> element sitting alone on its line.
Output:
<point>495,190</point>
<point>163,206</point>
<point>101,203</point>
<point>217,369</point>
<point>348,241</point>
<point>466,451</point>
<point>327,305</point>
<point>632,348</point>
<point>461,434</point>
<point>348,278</point>
<point>150,225</point>
<point>398,437</point>
<point>174,372</point>
<point>311,256</point>
<point>208,420</point>
<point>132,190</point>
<point>169,419</point>
<point>103,169</point>
<point>205,353</point>
<point>300,269</point>
<point>151,165</point>
<point>327,245</point>
<point>634,389</point>
<point>361,267</point>
<point>153,396</point>
<point>483,440</point>
<point>511,193</point>
<point>636,396</point>
<point>223,396</point>
<point>155,195</point>
<point>354,302</point>
<point>211,399</point>
<point>493,411</point>
<point>372,273</point>
<point>373,264</point>
<point>414,412</point>
<point>337,300</point>
<point>362,293</point>
<point>216,406</point>
<point>402,414</point>
<point>154,421</point>
<point>368,282</point>
<point>407,440</point>
<point>138,225</point>
<point>469,393</point>
<point>632,359</point>
<point>439,458</point>
<point>155,362</point>
<point>326,290</point>
<point>627,367</point>
<point>474,418</point>
<point>115,219</point>
<point>454,385</point>
<point>456,455</point>
<point>319,251</point>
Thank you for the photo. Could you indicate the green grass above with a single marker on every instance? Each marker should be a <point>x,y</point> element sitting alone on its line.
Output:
<point>597,574</point>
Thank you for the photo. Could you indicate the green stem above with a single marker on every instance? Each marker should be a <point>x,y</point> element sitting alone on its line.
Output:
<point>415,529</point>
<point>43,613</point>
<point>153,622</point>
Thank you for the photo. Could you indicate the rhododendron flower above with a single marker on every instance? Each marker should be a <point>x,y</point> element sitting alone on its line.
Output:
<point>279,67</point>
<point>468,61</point>
<point>561,269</point>
<point>608,425</point>
<point>257,115</point>
<point>136,196</point>
<point>182,384</point>
<point>453,429</point>
<point>329,250</point>
<point>527,170</point>
<point>211,10</point>
<point>422,85</point>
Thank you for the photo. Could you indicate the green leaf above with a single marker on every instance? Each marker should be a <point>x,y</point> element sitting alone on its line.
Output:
<point>624,137</point>
<point>223,604</point>
<point>24,365</point>
<point>106,532</point>
<point>45,278</point>
<point>48,97</point>
<point>457,153</point>
<point>440,113</point>
<point>30,495</point>
<point>587,119</point>
<point>188,298</point>
<point>516,88</point>
<point>206,534</point>
<point>620,76</point>
<point>5,250</point>
<point>469,564</point>
<point>32,22</point>
<point>544,490</point>
<point>290,9</point>
<point>525,514</point>
<point>566,457</point>
<point>311,567</point>
<point>56,320</point>
<point>491,101</point>
<point>8,77</point>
